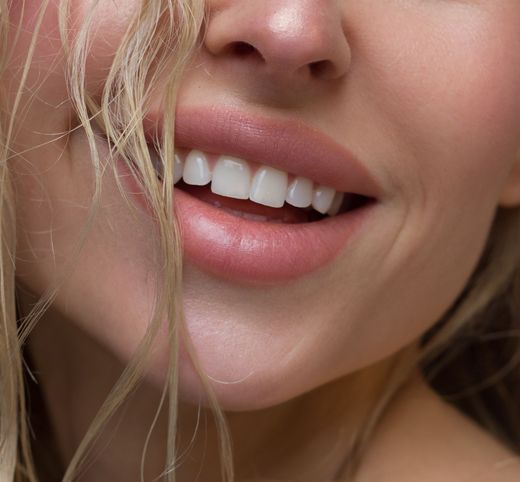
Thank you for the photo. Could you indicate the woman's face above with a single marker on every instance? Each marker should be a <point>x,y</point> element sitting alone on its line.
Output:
<point>425,96</point>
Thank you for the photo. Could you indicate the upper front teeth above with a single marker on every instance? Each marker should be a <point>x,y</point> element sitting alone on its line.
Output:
<point>269,187</point>
<point>196,169</point>
<point>233,177</point>
<point>300,192</point>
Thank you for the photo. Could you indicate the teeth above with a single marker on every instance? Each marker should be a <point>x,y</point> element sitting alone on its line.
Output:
<point>299,193</point>
<point>336,204</point>
<point>323,198</point>
<point>231,178</point>
<point>196,169</point>
<point>178,169</point>
<point>269,187</point>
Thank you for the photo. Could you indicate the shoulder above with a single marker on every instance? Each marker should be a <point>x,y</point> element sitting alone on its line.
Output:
<point>424,439</point>
<point>505,472</point>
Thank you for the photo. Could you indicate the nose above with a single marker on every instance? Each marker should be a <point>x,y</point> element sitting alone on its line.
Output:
<point>291,40</point>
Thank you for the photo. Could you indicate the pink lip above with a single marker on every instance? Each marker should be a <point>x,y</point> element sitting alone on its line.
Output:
<point>244,250</point>
<point>290,146</point>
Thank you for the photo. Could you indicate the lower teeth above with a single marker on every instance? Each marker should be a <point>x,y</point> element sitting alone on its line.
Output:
<point>249,210</point>
<point>305,215</point>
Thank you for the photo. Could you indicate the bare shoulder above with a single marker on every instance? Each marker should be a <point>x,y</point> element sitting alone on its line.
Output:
<point>506,473</point>
<point>424,439</point>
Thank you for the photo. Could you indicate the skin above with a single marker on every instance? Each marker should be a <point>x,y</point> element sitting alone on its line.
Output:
<point>426,94</point>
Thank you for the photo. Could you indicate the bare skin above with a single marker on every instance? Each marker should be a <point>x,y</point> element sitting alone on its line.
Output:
<point>423,438</point>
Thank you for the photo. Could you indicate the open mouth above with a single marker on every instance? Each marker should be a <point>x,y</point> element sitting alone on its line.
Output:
<point>260,199</point>
<point>256,192</point>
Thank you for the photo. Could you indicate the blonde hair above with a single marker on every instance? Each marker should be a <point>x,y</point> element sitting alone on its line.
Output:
<point>155,48</point>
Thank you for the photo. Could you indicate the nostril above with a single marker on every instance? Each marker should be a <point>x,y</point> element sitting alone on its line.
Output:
<point>322,69</point>
<point>244,49</point>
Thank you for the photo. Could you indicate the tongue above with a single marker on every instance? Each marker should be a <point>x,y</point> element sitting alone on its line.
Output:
<point>248,209</point>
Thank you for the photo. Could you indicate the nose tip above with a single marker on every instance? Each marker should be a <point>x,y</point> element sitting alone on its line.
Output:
<point>284,38</point>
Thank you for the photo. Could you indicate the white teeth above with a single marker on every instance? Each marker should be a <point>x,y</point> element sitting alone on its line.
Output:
<point>336,204</point>
<point>196,169</point>
<point>178,169</point>
<point>323,197</point>
<point>269,187</point>
<point>299,193</point>
<point>231,178</point>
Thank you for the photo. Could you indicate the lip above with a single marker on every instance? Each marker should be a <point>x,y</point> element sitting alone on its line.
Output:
<point>291,146</point>
<point>254,251</point>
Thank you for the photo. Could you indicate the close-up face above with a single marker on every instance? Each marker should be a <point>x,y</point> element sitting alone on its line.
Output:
<point>410,107</point>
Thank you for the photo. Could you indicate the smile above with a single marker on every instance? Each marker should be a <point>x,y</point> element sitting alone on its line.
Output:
<point>296,199</point>
<point>285,213</point>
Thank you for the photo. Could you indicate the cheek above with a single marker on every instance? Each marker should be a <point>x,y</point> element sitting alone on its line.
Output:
<point>450,98</point>
<point>107,24</point>
<point>57,247</point>
<point>451,93</point>
<point>45,74</point>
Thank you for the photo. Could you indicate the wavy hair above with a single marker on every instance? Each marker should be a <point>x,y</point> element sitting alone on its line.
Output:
<point>154,49</point>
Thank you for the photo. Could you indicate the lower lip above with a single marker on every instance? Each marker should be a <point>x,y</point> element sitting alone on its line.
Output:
<point>239,249</point>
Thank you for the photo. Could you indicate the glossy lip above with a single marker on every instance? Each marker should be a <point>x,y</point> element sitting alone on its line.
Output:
<point>252,251</point>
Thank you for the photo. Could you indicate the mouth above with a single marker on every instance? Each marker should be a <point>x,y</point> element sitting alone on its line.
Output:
<point>259,200</point>
<point>254,191</point>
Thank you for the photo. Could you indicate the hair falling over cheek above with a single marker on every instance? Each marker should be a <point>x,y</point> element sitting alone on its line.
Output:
<point>155,48</point>
<point>167,31</point>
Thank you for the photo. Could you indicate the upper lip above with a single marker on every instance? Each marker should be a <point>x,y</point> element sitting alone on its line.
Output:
<point>287,145</point>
